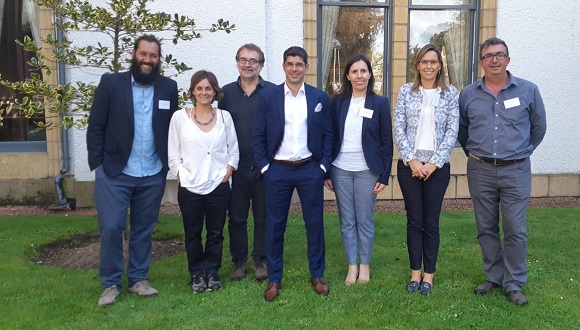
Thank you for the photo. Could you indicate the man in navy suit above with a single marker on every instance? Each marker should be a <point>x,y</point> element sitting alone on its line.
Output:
<point>127,148</point>
<point>292,147</point>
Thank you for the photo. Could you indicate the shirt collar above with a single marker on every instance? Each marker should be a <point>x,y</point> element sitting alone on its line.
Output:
<point>260,81</point>
<point>511,80</point>
<point>287,89</point>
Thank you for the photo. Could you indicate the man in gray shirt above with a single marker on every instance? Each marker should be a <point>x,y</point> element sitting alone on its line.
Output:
<point>502,121</point>
<point>241,99</point>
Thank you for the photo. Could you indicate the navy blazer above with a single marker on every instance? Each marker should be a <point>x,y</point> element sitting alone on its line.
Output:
<point>269,125</point>
<point>111,122</point>
<point>377,139</point>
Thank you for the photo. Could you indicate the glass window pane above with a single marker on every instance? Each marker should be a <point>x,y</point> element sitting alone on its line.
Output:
<point>442,2</point>
<point>382,1</point>
<point>347,31</point>
<point>18,18</point>
<point>448,30</point>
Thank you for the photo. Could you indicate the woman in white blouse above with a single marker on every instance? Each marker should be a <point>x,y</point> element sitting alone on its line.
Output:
<point>202,153</point>
<point>362,154</point>
<point>426,124</point>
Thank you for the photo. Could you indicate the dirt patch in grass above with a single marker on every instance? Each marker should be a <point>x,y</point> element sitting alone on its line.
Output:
<point>81,251</point>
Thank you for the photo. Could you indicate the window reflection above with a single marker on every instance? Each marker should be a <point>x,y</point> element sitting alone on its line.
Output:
<point>450,31</point>
<point>347,31</point>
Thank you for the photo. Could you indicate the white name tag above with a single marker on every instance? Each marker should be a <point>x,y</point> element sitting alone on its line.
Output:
<point>163,104</point>
<point>511,102</point>
<point>367,113</point>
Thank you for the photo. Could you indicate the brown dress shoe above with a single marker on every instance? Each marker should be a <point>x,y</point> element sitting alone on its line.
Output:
<point>320,286</point>
<point>485,287</point>
<point>272,291</point>
<point>517,297</point>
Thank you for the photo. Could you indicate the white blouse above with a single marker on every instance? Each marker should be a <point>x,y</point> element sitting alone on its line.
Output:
<point>351,156</point>
<point>200,159</point>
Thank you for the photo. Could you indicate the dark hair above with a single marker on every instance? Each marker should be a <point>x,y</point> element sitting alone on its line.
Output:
<point>201,75</point>
<point>493,41</point>
<point>440,79</point>
<point>296,51</point>
<point>253,47</point>
<point>148,38</point>
<point>345,90</point>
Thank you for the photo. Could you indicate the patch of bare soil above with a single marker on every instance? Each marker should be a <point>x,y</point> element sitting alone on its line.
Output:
<point>82,251</point>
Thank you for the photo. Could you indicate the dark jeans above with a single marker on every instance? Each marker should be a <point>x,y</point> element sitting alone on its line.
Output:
<point>247,187</point>
<point>423,200</point>
<point>195,209</point>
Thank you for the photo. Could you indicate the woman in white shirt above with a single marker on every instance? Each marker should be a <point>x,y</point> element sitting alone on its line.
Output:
<point>202,154</point>
<point>426,124</point>
<point>362,154</point>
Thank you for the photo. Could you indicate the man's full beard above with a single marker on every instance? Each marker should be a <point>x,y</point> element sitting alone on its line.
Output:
<point>141,77</point>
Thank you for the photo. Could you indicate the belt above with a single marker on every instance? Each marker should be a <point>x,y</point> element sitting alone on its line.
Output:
<point>495,161</point>
<point>297,163</point>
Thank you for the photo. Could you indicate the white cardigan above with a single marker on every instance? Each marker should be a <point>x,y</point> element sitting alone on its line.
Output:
<point>200,159</point>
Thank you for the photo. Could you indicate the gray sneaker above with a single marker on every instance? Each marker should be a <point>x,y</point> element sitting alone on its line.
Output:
<point>109,296</point>
<point>260,270</point>
<point>198,284</point>
<point>143,289</point>
<point>238,272</point>
<point>213,282</point>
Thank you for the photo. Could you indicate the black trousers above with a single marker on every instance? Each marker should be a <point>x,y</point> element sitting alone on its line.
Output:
<point>423,201</point>
<point>247,189</point>
<point>195,210</point>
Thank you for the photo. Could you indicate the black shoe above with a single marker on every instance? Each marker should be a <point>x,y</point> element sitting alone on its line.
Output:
<point>198,284</point>
<point>213,282</point>
<point>517,297</point>
<point>413,286</point>
<point>426,287</point>
<point>485,287</point>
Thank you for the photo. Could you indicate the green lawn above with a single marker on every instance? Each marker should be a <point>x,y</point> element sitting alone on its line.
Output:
<point>42,297</point>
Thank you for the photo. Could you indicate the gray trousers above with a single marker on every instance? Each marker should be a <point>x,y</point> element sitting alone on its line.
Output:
<point>506,189</point>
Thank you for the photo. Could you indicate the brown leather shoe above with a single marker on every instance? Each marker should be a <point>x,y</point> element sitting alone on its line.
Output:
<point>517,297</point>
<point>320,286</point>
<point>272,291</point>
<point>485,287</point>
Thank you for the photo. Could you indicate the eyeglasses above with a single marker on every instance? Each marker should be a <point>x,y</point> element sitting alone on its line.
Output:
<point>489,57</point>
<point>426,63</point>
<point>298,65</point>
<point>244,61</point>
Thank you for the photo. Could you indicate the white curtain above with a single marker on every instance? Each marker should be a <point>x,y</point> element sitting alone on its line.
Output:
<point>30,15</point>
<point>329,20</point>
<point>457,41</point>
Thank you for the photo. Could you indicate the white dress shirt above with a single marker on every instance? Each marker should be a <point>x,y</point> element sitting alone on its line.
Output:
<point>294,145</point>
<point>200,159</point>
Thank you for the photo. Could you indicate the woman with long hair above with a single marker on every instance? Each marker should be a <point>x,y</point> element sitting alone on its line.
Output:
<point>426,124</point>
<point>362,155</point>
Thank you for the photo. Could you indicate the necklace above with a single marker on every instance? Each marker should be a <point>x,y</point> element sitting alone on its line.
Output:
<point>199,122</point>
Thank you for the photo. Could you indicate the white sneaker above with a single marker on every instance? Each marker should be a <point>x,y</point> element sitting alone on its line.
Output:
<point>143,289</point>
<point>109,296</point>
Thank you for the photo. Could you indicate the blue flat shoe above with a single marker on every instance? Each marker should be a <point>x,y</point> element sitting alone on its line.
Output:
<point>413,286</point>
<point>426,288</point>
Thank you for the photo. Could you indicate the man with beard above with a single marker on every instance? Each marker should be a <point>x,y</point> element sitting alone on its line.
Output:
<point>127,148</point>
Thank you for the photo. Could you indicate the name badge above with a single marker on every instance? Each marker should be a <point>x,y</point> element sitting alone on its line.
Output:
<point>367,113</point>
<point>511,102</point>
<point>163,104</point>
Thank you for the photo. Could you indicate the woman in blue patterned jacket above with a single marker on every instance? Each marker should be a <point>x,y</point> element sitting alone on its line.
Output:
<point>425,126</point>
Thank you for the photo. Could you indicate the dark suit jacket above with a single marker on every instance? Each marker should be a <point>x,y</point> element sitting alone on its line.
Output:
<point>111,122</point>
<point>269,125</point>
<point>377,140</point>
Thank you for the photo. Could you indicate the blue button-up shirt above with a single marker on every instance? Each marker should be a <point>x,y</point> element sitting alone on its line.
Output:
<point>143,160</point>
<point>509,126</point>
